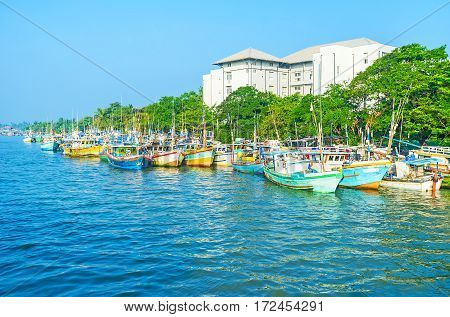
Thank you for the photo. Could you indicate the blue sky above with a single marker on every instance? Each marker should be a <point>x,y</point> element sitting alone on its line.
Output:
<point>163,47</point>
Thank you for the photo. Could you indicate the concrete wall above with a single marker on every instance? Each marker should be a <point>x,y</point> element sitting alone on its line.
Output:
<point>332,64</point>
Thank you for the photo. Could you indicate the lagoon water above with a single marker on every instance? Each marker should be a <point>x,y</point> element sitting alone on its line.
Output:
<point>77,227</point>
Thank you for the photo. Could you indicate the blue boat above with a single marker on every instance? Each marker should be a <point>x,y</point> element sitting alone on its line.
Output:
<point>49,145</point>
<point>129,157</point>
<point>249,167</point>
<point>249,161</point>
<point>364,174</point>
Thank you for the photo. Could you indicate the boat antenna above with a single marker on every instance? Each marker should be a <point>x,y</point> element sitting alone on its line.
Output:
<point>204,125</point>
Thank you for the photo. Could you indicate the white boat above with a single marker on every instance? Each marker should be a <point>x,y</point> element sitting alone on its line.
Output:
<point>222,156</point>
<point>412,176</point>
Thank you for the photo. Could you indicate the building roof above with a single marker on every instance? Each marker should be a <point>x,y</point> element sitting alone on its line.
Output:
<point>307,53</point>
<point>249,53</point>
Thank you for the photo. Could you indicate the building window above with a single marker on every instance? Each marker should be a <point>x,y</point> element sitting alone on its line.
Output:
<point>310,75</point>
<point>284,91</point>
<point>284,75</point>
<point>229,64</point>
<point>229,90</point>
<point>271,75</point>
<point>366,58</point>
<point>297,88</point>
<point>229,77</point>
<point>254,70</point>
<point>298,74</point>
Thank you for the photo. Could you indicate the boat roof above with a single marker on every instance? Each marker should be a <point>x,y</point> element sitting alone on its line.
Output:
<point>423,162</point>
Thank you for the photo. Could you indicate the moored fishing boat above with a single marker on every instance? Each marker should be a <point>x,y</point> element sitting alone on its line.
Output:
<point>49,144</point>
<point>104,154</point>
<point>83,148</point>
<point>199,156</point>
<point>38,138</point>
<point>166,158</point>
<point>222,155</point>
<point>411,175</point>
<point>364,174</point>
<point>287,169</point>
<point>28,139</point>
<point>249,162</point>
<point>129,157</point>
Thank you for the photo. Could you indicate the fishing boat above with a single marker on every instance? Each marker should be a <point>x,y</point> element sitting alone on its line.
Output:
<point>250,161</point>
<point>129,157</point>
<point>165,156</point>
<point>364,174</point>
<point>412,175</point>
<point>49,143</point>
<point>83,148</point>
<point>104,154</point>
<point>38,138</point>
<point>28,139</point>
<point>195,155</point>
<point>222,155</point>
<point>290,170</point>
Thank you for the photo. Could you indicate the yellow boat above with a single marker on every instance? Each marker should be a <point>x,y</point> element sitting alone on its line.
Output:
<point>83,148</point>
<point>202,157</point>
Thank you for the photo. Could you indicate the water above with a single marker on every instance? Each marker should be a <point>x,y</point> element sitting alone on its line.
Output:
<point>77,227</point>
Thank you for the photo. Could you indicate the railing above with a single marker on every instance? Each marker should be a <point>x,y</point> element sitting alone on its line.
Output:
<point>436,149</point>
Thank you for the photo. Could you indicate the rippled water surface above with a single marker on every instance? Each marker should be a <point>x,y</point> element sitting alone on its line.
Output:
<point>77,227</point>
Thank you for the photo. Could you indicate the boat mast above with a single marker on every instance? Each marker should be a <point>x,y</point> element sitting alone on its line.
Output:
<point>204,125</point>
<point>172,142</point>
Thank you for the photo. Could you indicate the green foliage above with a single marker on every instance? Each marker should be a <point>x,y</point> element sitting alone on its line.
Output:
<point>411,84</point>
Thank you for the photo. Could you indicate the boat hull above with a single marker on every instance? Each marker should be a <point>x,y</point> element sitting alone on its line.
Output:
<point>249,168</point>
<point>92,151</point>
<point>364,175</point>
<point>201,158</point>
<point>425,186</point>
<point>222,159</point>
<point>136,162</point>
<point>168,159</point>
<point>325,182</point>
<point>49,146</point>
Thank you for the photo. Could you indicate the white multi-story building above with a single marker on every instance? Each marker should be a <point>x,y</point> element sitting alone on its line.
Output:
<point>310,70</point>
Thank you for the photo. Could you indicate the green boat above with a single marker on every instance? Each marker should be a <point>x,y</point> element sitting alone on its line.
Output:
<point>287,169</point>
<point>50,145</point>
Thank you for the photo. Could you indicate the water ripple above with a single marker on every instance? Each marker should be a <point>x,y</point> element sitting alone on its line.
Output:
<point>73,227</point>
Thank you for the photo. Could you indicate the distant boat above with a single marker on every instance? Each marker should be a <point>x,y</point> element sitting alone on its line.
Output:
<point>129,157</point>
<point>288,170</point>
<point>83,148</point>
<point>28,139</point>
<point>364,174</point>
<point>49,144</point>
<point>38,138</point>
<point>412,176</point>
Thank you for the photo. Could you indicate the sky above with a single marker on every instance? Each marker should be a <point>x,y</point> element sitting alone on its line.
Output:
<point>162,48</point>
